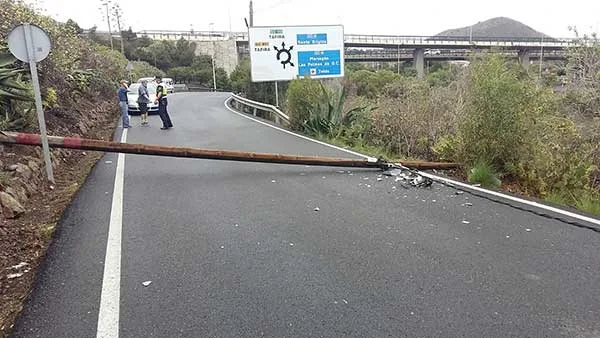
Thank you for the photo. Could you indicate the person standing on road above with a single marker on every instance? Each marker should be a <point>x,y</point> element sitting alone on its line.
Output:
<point>161,98</point>
<point>143,100</point>
<point>122,93</point>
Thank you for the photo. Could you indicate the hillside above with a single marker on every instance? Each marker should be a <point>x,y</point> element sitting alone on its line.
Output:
<point>496,27</point>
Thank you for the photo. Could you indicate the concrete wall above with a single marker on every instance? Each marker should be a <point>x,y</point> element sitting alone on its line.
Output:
<point>226,53</point>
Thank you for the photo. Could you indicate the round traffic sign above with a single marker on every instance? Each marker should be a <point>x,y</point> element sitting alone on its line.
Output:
<point>29,38</point>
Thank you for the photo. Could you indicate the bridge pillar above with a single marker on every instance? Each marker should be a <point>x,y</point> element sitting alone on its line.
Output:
<point>419,61</point>
<point>524,58</point>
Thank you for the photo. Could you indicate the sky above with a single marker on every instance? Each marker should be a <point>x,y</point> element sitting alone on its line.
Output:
<point>391,17</point>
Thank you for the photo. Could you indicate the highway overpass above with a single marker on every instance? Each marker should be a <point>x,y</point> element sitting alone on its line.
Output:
<point>228,47</point>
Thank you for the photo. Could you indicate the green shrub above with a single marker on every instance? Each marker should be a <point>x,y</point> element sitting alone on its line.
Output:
<point>371,84</point>
<point>589,202</point>
<point>50,98</point>
<point>492,128</point>
<point>412,117</point>
<point>302,98</point>
<point>483,173</point>
<point>144,69</point>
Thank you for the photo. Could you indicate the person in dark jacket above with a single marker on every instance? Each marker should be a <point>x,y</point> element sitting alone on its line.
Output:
<point>161,98</point>
<point>123,106</point>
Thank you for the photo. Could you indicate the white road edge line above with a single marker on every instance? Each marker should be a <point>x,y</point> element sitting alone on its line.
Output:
<point>108,316</point>
<point>433,177</point>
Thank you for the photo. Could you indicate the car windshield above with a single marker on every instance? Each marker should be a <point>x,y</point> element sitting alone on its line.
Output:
<point>133,89</point>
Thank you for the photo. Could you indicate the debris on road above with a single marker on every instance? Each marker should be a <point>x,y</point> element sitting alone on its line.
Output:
<point>466,222</point>
<point>467,204</point>
<point>459,192</point>
<point>317,209</point>
<point>379,179</point>
<point>345,301</point>
<point>407,175</point>
<point>273,181</point>
<point>528,230</point>
<point>108,162</point>
<point>146,283</point>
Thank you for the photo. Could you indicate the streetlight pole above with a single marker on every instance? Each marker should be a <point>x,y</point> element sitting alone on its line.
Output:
<point>470,34</point>
<point>541,56</point>
<point>213,58</point>
<point>105,3</point>
<point>118,13</point>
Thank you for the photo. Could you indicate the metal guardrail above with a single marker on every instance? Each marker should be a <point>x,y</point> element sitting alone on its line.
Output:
<point>259,109</point>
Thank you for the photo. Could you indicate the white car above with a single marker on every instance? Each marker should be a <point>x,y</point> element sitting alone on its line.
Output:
<point>169,84</point>
<point>132,96</point>
<point>167,81</point>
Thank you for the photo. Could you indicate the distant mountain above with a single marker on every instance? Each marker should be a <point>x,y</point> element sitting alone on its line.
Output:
<point>500,27</point>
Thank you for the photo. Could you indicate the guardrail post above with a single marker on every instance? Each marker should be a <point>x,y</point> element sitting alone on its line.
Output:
<point>254,111</point>
<point>277,119</point>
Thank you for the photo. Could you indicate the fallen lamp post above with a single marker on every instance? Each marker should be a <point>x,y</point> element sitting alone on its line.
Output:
<point>156,150</point>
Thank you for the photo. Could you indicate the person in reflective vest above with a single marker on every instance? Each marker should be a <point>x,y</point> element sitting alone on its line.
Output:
<point>161,98</point>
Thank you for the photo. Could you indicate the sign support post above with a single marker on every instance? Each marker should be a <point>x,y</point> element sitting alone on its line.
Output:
<point>276,95</point>
<point>31,44</point>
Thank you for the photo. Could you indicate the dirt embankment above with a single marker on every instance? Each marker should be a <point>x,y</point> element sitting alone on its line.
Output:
<point>31,207</point>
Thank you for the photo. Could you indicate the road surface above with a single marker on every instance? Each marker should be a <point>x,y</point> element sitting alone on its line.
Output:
<point>237,250</point>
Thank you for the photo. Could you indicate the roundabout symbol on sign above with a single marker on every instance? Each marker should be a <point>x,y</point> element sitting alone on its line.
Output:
<point>288,58</point>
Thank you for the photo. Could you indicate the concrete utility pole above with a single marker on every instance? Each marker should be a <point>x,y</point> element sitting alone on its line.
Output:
<point>212,25</point>
<point>541,57</point>
<point>251,16</point>
<point>118,13</point>
<point>227,155</point>
<point>105,3</point>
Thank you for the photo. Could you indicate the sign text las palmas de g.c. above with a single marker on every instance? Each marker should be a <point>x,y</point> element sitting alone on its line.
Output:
<point>289,52</point>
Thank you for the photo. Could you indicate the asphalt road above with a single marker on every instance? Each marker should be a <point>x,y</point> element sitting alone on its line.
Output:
<point>237,249</point>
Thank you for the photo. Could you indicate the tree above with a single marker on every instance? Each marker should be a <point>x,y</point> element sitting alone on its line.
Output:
<point>223,82</point>
<point>185,51</point>
<point>259,91</point>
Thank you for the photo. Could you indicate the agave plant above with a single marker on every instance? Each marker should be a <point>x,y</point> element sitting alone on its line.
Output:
<point>12,87</point>
<point>328,118</point>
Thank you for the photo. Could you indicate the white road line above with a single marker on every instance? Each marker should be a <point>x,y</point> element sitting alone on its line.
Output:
<point>434,177</point>
<point>108,316</point>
